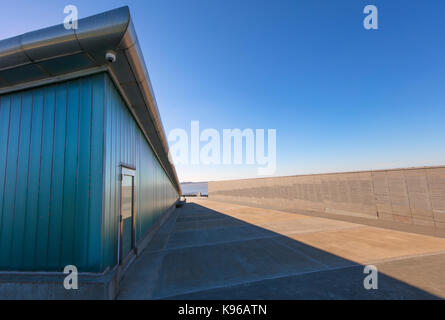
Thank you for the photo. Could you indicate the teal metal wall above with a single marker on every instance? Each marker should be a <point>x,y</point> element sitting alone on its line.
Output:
<point>125,144</point>
<point>51,141</point>
<point>60,152</point>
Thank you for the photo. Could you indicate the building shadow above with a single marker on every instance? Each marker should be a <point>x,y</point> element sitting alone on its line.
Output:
<point>206,254</point>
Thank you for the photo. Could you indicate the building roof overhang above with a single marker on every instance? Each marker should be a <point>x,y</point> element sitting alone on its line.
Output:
<point>53,53</point>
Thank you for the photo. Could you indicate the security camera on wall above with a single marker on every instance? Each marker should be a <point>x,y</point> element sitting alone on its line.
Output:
<point>110,56</point>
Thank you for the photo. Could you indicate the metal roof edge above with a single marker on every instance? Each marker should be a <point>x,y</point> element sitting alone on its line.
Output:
<point>108,31</point>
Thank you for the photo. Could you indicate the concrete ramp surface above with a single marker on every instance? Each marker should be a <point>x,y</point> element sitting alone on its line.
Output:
<point>215,250</point>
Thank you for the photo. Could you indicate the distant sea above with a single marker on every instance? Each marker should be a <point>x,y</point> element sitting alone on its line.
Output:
<point>194,187</point>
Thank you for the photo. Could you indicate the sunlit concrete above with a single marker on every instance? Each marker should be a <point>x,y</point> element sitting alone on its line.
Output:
<point>216,250</point>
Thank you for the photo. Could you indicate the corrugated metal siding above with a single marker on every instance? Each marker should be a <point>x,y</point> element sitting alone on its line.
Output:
<point>51,176</point>
<point>154,192</point>
<point>55,178</point>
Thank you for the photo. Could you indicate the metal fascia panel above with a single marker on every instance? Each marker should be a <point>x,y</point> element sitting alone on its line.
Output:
<point>11,53</point>
<point>49,42</point>
<point>111,30</point>
<point>102,32</point>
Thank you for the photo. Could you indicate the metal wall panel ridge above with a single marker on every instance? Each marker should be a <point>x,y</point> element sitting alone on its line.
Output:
<point>51,173</point>
<point>126,144</point>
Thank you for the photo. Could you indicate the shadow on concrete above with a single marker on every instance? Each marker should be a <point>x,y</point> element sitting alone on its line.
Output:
<point>201,253</point>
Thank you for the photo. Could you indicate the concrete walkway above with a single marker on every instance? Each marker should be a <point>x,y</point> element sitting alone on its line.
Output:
<point>215,250</point>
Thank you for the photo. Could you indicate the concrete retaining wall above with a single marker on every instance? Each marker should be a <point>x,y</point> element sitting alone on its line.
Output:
<point>415,195</point>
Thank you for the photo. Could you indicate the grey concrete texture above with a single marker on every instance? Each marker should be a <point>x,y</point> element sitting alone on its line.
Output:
<point>215,250</point>
<point>49,286</point>
<point>411,196</point>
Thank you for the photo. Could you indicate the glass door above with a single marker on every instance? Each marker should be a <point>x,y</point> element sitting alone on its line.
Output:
<point>127,223</point>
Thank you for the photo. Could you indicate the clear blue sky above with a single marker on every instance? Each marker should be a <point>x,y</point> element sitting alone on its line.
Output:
<point>340,97</point>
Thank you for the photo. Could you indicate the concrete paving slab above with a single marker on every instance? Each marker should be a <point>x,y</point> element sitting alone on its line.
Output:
<point>323,257</point>
<point>208,224</point>
<point>191,269</point>
<point>369,244</point>
<point>214,236</point>
<point>265,218</point>
<point>200,213</point>
<point>214,250</point>
<point>200,218</point>
<point>425,272</point>
<point>141,279</point>
<point>344,283</point>
<point>306,225</point>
